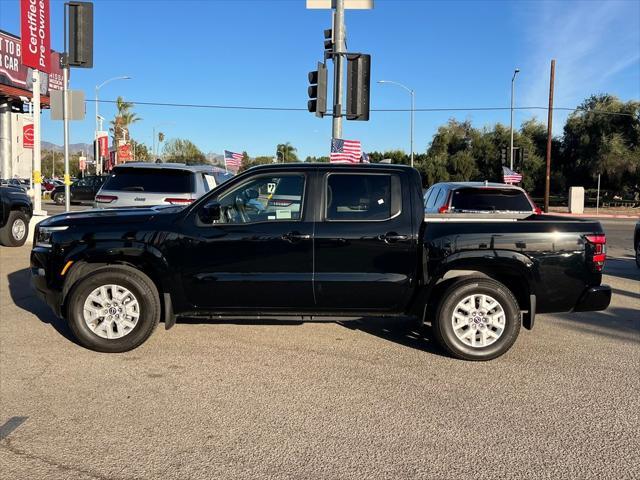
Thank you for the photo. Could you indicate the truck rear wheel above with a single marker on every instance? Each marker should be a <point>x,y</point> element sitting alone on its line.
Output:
<point>14,233</point>
<point>113,309</point>
<point>477,319</point>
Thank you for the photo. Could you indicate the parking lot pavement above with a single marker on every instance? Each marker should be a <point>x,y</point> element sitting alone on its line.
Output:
<point>320,400</point>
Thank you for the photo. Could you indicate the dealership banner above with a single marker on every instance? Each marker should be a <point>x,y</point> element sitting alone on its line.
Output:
<point>27,136</point>
<point>103,144</point>
<point>35,32</point>
<point>14,73</point>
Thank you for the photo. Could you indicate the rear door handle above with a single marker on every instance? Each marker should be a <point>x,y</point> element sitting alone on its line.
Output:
<point>293,237</point>
<point>392,237</point>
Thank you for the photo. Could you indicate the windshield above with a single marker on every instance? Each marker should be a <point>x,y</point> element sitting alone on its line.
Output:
<point>155,180</point>
<point>490,200</point>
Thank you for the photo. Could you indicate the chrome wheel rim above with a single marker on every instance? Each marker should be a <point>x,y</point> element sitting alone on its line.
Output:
<point>111,311</point>
<point>18,229</point>
<point>478,320</point>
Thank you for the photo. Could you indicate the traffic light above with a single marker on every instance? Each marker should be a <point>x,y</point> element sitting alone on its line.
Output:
<point>503,156</point>
<point>80,34</point>
<point>358,83</point>
<point>328,43</point>
<point>318,91</point>
<point>161,137</point>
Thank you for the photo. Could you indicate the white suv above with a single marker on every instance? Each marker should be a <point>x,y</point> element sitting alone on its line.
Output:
<point>139,184</point>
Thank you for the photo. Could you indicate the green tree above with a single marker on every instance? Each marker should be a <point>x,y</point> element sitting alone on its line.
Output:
<point>182,151</point>
<point>124,118</point>
<point>141,152</point>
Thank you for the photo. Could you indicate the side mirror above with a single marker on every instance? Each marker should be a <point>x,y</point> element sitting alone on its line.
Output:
<point>210,212</point>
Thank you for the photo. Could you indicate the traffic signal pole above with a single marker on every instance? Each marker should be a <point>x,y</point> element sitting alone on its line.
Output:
<point>340,48</point>
<point>547,182</point>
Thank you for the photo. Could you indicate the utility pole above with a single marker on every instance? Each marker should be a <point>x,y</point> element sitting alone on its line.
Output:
<point>65,122</point>
<point>338,32</point>
<point>513,81</point>
<point>549,138</point>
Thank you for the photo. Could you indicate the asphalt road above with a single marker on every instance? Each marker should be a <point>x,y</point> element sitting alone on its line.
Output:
<point>325,400</point>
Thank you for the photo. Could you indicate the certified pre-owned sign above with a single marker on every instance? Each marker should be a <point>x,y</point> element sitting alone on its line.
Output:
<point>35,34</point>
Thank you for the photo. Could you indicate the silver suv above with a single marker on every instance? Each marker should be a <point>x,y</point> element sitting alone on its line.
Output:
<point>139,184</point>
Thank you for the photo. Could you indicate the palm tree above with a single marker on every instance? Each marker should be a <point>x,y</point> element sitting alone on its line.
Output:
<point>123,119</point>
<point>287,152</point>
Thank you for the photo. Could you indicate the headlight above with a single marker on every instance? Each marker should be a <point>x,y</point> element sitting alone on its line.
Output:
<point>43,235</point>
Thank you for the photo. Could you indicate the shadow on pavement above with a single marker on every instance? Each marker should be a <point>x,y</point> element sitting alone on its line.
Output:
<point>400,331</point>
<point>25,298</point>
<point>619,323</point>
<point>622,268</point>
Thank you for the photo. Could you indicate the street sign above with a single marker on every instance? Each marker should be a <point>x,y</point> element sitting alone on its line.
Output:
<point>348,4</point>
<point>35,34</point>
<point>76,105</point>
<point>27,136</point>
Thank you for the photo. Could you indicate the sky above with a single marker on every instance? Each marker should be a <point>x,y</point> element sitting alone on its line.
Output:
<point>454,54</point>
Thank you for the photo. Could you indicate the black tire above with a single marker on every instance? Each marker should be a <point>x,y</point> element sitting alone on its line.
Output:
<point>137,283</point>
<point>442,324</point>
<point>58,198</point>
<point>15,237</point>
<point>638,254</point>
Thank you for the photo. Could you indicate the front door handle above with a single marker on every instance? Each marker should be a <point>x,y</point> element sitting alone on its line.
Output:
<point>392,237</point>
<point>294,237</point>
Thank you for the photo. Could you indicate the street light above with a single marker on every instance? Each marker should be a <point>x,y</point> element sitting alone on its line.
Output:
<point>513,80</point>
<point>413,105</point>
<point>96,152</point>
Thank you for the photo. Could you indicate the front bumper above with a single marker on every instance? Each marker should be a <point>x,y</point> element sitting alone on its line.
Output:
<point>594,298</point>
<point>40,283</point>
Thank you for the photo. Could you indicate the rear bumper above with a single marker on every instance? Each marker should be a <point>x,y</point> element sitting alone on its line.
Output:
<point>594,298</point>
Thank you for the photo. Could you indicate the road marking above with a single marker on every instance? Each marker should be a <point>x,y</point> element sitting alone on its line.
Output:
<point>10,425</point>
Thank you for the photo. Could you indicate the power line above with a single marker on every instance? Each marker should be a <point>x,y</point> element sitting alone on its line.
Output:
<point>295,109</point>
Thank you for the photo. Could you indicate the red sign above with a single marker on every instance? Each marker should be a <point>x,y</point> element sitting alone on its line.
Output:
<point>27,136</point>
<point>36,45</point>
<point>13,73</point>
<point>103,146</point>
<point>82,163</point>
<point>124,153</point>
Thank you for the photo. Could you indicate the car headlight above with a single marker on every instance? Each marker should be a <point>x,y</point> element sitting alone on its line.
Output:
<point>43,235</point>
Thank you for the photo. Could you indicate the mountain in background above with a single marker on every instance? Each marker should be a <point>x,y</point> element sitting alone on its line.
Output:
<point>85,148</point>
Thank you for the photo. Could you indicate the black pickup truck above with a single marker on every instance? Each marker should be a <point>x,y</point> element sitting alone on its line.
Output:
<point>16,211</point>
<point>342,241</point>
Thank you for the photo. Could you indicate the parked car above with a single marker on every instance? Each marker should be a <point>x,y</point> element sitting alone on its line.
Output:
<point>82,190</point>
<point>477,197</point>
<point>141,184</point>
<point>636,243</point>
<point>358,246</point>
<point>15,215</point>
<point>14,182</point>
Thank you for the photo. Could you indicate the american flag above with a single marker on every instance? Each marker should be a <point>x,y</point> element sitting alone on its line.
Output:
<point>345,151</point>
<point>232,160</point>
<point>509,176</point>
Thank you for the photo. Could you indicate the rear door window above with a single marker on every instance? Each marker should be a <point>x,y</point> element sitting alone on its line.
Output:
<point>154,180</point>
<point>362,197</point>
<point>490,200</point>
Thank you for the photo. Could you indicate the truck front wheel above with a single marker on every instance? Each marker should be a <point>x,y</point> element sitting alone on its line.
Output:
<point>113,309</point>
<point>477,319</point>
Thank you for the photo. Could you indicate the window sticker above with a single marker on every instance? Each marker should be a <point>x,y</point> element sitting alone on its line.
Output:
<point>283,214</point>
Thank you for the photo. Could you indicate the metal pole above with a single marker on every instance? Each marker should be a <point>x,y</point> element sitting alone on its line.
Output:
<point>96,150</point>
<point>598,196</point>
<point>37,159</point>
<point>513,81</point>
<point>336,131</point>
<point>549,138</point>
<point>65,122</point>
<point>413,108</point>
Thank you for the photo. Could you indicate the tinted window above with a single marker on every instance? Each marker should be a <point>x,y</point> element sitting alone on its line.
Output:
<point>490,199</point>
<point>428,197</point>
<point>360,197</point>
<point>158,180</point>
<point>256,201</point>
<point>439,198</point>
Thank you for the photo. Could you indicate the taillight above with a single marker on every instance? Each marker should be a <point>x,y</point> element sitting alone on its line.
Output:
<point>445,206</point>
<point>596,250</point>
<point>537,210</point>
<point>178,201</point>
<point>106,198</point>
